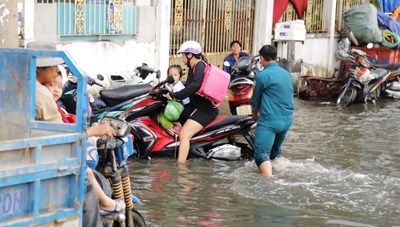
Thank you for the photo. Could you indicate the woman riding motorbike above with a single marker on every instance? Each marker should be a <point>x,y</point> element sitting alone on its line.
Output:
<point>202,112</point>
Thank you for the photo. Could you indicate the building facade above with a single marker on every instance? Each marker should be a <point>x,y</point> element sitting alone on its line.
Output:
<point>117,35</point>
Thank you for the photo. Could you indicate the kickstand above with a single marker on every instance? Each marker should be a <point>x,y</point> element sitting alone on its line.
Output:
<point>176,141</point>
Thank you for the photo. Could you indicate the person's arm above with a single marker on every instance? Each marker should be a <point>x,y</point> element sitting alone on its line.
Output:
<point>194,86</point>
<point>100,130</point>
<point>256,98</point>
<point>168,87</point>
<point>226,68</point>
<point>254,115</point>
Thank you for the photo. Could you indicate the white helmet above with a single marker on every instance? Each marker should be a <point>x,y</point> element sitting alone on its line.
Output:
<point>190,47</point>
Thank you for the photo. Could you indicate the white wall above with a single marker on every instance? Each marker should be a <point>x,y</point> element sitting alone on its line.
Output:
<point>262,24</point>
<point>315,51</point>
<point>47,15</point>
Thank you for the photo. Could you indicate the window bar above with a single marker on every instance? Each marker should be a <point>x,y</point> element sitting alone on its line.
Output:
<point>234,30</point>
<point>89,7</point>
<point>202,22</point>
<point>242,25</point>
<point>210,36</point>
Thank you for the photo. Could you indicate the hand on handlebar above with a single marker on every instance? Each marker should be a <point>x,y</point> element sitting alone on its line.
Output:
<point>168,96</point>
<point>101,130</point>
<point>94,82</point>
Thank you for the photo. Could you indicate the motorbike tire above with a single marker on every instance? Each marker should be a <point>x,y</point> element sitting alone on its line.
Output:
<point>138,220</point>
<point>347,96</point>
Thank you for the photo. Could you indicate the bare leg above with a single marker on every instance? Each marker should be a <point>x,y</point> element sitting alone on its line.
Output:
<point>266,168</point>
<point>105,202</point>
<point>188,130</point>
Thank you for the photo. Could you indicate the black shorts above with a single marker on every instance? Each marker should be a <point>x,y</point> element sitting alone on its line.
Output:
<point>204,117</point>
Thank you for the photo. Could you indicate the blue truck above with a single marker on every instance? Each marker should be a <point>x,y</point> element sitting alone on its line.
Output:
<point>42,165</point>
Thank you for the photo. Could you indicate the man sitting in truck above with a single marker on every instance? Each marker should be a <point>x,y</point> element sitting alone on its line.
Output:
<point>46,109</point>
<point>46,72</point>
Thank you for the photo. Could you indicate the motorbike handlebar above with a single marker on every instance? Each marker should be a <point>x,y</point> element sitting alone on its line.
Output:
<point>158,91</point>
<point>144,67</point>
<point>94,82</point>
<point>360,57</point>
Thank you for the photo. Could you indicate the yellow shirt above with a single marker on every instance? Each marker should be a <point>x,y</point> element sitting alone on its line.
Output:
<point>46,107</point>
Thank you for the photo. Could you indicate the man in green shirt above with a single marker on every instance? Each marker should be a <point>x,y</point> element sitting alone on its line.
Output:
<point>273,106</point>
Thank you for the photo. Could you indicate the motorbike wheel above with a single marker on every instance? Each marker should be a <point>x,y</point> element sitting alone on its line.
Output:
<point>138,220</point>
<point>347,96</point>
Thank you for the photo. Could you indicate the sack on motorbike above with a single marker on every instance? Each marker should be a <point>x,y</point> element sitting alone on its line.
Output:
<point>215,84</point>
<point>362,20</point>
<point>173,110</point>
<point>164,122</point>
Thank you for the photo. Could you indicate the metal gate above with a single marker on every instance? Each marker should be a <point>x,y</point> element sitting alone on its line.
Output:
<point>214,24</point>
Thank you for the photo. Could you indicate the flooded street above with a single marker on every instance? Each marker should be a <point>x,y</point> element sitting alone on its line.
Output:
<point>342,168</point>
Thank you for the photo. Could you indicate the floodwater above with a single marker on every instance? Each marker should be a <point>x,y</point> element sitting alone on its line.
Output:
<point>342,168</point>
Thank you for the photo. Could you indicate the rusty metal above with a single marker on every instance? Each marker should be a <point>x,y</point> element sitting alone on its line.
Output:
<point>228,14</point>
<point>178,15</point>
<point>118,16</point>
<point>214,24</point>
<point>80,16</point>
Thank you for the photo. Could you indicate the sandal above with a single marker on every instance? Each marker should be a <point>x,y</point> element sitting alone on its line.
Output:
<point>119,208</point>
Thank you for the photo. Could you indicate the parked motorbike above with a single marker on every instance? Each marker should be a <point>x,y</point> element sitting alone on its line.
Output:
<point>109,100</point>
<point>242,84</point>
<point>393,89</point>
<point>366,82</point>
<point>141,75</point>
<point>153,138</point>
<point>113,154</point>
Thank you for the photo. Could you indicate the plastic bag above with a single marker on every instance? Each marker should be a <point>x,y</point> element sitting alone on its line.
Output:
<point>173,110</point>
<point>164,122</point>
<point>363,22</point>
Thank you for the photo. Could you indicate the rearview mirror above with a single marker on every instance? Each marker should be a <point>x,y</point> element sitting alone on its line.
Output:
<point>158,74</point>
<point>170,79</point>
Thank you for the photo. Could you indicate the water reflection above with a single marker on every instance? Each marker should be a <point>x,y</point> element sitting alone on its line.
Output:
<point>342,169</point>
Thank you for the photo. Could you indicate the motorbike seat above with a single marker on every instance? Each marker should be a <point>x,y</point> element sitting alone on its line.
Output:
<point>125,92</point>
<point>222,121</point>
<point>380,72</point>
<point>391,67</point>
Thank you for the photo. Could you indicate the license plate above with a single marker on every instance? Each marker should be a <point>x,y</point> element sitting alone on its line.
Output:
<point>243,110</point>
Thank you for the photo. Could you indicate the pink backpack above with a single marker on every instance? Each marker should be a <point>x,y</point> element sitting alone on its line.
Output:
<point>215,84</point>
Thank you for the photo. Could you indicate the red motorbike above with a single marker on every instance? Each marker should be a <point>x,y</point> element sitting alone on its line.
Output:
<point>242,84</point>
<point>216,141</point>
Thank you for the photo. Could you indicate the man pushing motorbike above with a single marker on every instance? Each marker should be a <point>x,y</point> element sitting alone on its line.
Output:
<point>272,105</point>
